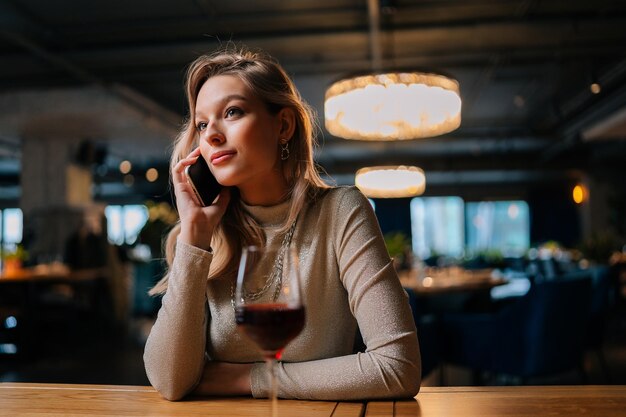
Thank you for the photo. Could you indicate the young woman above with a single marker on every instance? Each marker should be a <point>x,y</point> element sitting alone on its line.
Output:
<point>248,120</point>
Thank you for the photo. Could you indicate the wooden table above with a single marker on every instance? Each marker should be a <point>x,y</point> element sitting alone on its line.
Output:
<point>52,274</point>
<point>46,400</point>
<point>22,294</point>
<point>553,401</point>
<point>458,281</point>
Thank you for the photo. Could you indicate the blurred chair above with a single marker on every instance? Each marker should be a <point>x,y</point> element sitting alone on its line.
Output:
<point>13,319</point>
<point>146,275</point>
<point>428,334</point>
<point>602,300</point>
<point>540,334</point>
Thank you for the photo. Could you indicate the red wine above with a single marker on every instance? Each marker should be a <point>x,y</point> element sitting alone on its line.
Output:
<point>270,326</point>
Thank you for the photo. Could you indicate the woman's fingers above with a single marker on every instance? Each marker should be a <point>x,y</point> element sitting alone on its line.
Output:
<point>221,204</point>
<point>178,171</point>
<point>182,188</point>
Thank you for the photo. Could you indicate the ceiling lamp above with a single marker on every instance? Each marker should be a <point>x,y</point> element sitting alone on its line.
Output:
<point>390,181</point>
<point>393,106</point>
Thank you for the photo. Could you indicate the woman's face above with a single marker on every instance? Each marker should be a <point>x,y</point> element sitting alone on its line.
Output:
<point>239,139</point>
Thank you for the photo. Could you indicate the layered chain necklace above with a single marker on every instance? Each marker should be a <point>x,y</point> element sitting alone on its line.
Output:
<point>274,279</point>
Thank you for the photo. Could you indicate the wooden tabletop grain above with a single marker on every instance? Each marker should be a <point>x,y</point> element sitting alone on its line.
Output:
<point>59,400</point>
<point>538,401</point>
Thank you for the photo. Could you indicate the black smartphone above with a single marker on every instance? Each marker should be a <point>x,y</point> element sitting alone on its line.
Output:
<point>201,179</point>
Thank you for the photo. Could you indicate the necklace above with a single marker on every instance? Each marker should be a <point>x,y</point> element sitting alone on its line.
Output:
<point>275,278</point>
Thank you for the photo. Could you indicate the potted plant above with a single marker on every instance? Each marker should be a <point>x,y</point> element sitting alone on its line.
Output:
<point>13,259</point>
<point>399,247</point>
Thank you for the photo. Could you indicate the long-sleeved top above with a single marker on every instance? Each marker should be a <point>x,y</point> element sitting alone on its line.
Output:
<point>349,284</point>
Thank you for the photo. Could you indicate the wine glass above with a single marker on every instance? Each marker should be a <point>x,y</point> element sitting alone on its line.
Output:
<point>268,303</point>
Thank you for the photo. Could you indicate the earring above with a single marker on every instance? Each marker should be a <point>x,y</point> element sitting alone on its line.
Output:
<point>284,151</point>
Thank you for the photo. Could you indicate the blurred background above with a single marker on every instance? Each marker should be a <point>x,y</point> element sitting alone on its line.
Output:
<point>527,192</point>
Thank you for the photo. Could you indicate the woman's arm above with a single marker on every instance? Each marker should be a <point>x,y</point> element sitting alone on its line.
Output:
<point>225,378</point>
<point>174,352</point>
<point>391,366</point>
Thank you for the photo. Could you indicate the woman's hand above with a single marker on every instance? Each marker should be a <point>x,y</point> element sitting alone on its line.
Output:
<point>197,223</point>
<point>224,378</point>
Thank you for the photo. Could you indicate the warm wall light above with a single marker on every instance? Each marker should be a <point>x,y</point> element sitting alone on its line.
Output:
<point>152,174</point>
<point>579,194</point>
<point>393,106</point>
<point>390,181</point>
<point>125,167</point>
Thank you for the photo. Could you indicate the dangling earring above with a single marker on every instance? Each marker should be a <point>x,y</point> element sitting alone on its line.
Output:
<point>284,151</point>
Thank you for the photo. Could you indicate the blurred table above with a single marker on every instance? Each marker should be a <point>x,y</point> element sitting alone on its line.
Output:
<point>449,280</point>
<point>23,399</point>
<point>36,296</point>
<point>51,273</point>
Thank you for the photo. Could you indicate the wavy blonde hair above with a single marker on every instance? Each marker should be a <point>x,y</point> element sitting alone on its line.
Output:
<point>269,82</point>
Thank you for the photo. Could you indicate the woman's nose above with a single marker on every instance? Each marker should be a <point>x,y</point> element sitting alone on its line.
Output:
<point>213,136</point>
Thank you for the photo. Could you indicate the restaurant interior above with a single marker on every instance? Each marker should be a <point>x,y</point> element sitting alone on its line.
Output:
<point>505,214</point>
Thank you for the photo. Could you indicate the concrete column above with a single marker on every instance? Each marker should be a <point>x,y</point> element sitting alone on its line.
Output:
<point>50,176</point>
<point>56,192</point>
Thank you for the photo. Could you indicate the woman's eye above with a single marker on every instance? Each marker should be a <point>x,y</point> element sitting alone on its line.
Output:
<point>201,126</point>
<point>233,111</point>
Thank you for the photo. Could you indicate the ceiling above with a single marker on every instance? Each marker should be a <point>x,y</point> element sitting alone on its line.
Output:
<point>524,67</point>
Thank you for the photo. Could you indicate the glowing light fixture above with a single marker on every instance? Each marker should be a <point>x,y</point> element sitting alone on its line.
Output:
<point>595,88</point>
<point>579,194</point>
<point>125,167</point>
<point>152,174</point>
<point>391,181</point>
<point>393,106</point>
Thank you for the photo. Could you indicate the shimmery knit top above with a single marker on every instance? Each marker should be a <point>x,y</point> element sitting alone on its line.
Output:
<point>349,283</point>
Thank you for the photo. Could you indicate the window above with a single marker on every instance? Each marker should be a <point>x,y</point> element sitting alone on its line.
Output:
<point>498,225</point>
<point>11,226</point>
<point>447,226</point>
<point>125,222</point>
<point>437,226</point>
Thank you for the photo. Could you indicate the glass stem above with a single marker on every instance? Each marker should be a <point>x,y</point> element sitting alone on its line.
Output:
<point>271,365</point>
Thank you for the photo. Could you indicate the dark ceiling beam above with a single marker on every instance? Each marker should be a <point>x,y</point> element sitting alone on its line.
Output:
<point>140,102</point>
<point>291,18</point>
<point>452,164</point>
<point>483,80</point>
<point>438,146</point>
<point>13,14</point>
<point>584,109</point>
<point>14,18</point>
<point>335,50</point>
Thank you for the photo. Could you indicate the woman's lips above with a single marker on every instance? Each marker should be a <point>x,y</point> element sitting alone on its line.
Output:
<point>222,156</point>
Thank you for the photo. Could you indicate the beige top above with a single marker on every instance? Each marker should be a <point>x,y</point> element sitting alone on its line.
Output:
<point>349,280</point>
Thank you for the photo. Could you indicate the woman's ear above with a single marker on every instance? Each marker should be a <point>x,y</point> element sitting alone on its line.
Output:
<point>287,120</point>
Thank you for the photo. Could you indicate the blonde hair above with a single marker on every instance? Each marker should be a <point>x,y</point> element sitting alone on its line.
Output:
<point>269,82</point>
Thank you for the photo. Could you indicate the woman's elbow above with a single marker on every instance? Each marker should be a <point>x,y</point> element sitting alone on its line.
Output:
<point>411,387</point>
<point>168,384</point>
<point>171,393</point>
<point>168,389</point>
<point>411,381</point>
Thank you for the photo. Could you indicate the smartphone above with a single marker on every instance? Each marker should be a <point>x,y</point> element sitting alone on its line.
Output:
<point>202,181</point>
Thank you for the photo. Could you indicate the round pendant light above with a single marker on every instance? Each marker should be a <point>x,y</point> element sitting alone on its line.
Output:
<point>390,181</point>
<point>393,106</point>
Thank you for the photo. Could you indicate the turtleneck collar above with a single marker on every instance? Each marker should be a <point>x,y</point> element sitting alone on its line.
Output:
<point>268,216</point>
